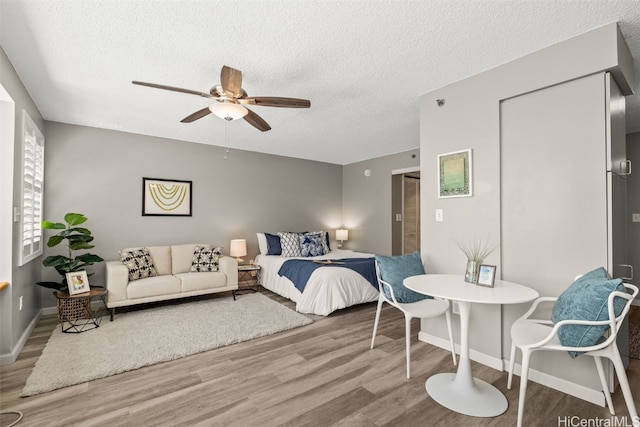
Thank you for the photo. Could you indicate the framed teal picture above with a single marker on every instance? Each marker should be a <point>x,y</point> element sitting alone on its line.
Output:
<point>455,174</point>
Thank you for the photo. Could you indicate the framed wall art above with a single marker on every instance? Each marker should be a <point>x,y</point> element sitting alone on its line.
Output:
<point>78,282</point>
<point>486,275</point>
<point>166,197</point>
<point>455,174</point>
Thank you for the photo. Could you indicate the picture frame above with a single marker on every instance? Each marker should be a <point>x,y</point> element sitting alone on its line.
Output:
<point>455,174</point>
<point>78,282</point>
<point>166,197</point>
<point>486,275</point>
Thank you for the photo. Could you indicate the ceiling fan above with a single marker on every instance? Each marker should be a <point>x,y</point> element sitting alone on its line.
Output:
<point>231,100</point>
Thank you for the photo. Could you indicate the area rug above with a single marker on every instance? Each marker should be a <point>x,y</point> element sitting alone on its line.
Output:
<point>149,336</point>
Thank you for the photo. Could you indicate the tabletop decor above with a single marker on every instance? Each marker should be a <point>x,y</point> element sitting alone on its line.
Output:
<point>476,251</point>
<point>486,275</point>
<point>78,282</point>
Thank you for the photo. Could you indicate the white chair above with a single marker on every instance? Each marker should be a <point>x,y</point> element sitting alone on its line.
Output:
<point>422,309</point>
<point>531,335</point>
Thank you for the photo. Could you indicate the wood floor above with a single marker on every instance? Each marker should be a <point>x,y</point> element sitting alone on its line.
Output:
<point>323,374</point>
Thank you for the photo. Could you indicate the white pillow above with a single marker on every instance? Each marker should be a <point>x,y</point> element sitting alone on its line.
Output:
<point>262,243</point>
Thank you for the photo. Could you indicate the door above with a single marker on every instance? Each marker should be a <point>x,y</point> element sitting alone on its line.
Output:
<point>411,213</point>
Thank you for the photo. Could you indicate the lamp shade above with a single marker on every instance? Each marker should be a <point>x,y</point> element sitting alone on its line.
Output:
<point>342,234</point>
<point>238,248</point>
<point>228,111</point>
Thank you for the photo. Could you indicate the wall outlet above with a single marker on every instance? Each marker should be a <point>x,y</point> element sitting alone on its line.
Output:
<point>20,303</point>
<point>635,217</point>
<point>455,308</point>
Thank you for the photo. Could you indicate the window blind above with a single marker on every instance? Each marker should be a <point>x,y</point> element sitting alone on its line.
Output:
<point>32,190</point>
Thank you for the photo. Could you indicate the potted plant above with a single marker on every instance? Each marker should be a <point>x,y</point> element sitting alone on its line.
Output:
<point>476,251</point>
<point>77,239</point>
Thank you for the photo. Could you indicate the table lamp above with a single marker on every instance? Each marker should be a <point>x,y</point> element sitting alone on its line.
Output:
<point>238,249</point>
<point>342,235</point>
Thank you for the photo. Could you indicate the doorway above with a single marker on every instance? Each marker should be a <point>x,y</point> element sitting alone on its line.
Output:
<point>405,215</point>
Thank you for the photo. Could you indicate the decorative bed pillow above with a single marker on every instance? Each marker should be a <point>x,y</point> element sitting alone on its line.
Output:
<point>206,259</point>
<point>139,263</point>
<point>586,299</point>
<point>273,244</point>
<point>311,244</point>
<point>326,248</point>
<point>290,243</point>
<point>394,269</point>
<point>262,243</point>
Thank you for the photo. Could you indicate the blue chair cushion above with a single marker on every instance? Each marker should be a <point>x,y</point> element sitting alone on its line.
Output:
<point>586,299</point>
<point>394,269</point>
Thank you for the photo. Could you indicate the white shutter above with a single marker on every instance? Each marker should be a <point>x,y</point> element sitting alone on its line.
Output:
<point>32,190</point>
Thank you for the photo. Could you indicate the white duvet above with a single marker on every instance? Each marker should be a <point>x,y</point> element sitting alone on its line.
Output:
<point>328,288</point>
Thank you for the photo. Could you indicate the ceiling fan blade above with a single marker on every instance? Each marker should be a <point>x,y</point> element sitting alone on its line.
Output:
<point>231,81</point>
<point>274,101</point>
<point>197,115</point>
<point>175,89</point>
<point>256,121</point>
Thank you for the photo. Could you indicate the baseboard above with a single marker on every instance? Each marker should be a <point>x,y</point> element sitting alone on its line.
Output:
<point>581,392</point>
<point>485,359</point>
<point>585,393</point>
<point>9,358</point>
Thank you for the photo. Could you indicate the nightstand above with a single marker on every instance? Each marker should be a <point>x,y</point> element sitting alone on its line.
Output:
<point>247,278</point>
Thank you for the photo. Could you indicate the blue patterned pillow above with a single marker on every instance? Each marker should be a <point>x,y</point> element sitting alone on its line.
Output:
<point>325,241</point>
<point>311,244</point>
<point>273,244</point>
<point>290,244</point>
<point>394,269</point>
<point>586,299</point>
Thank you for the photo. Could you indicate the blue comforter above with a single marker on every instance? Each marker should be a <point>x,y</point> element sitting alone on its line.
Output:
<point>299,270</point>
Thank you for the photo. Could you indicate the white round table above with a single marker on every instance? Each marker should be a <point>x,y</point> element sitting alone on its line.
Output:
<point>459,391</point>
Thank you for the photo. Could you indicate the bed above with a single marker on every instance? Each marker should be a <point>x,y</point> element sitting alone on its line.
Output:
<point>328,289</point>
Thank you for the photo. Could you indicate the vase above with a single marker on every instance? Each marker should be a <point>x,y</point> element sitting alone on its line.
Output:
<point>472,271</point>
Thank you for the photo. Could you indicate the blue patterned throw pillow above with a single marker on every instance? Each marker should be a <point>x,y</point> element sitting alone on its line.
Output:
<point>311,244</point>
<point>394,269</point>
<point>586,299</point>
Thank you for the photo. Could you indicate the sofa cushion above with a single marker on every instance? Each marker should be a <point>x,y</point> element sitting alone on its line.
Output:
<point>139,263</point>
<point>182,255</point>
<point>154,286</point>
<point>205,259</point>
<point>201,281</point>
<point>161,256</point>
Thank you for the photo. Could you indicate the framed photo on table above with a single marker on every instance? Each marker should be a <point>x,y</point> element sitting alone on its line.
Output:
<point>455,174</point>
<point>78,282</point>
<point>486,275</point>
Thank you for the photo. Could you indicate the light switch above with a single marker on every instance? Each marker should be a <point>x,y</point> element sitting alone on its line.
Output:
<point>635,217</point>
<point>399,217</point>
<point>439,215</point>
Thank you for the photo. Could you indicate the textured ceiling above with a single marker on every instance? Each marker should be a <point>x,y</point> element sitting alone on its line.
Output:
<point>363,64</point>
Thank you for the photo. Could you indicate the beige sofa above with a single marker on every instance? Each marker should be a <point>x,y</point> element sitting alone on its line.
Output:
<point>174,278</point>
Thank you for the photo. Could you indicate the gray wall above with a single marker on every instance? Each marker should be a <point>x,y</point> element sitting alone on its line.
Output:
<point>367,201</point>
<point>633,204</point>
<point>470,118</point>
<point>99,173</point>
<point>14,323</point>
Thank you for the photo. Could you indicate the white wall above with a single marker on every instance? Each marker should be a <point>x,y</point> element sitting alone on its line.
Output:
<point>470,118</point>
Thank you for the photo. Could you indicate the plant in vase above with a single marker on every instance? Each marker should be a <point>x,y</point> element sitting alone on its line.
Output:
<point>476,251</point>
<point>77,238</point>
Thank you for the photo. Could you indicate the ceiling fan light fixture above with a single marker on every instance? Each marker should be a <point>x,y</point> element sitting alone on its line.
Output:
<point>228,111</point>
